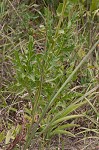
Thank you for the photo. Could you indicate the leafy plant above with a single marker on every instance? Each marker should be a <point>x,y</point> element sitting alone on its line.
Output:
<point>32,71</point>
<point>42,78</point>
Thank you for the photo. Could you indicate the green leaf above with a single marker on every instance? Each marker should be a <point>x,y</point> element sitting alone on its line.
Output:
<point>58,131</point>
<point>59,9</point>
<point>65,119</point>
<point>2,136</point>
<point>68,110</point>
<point>17,59</point>
<point>94,5</point>
<point>8,137</point>
<point>30,47</point>
<point>65,126</point>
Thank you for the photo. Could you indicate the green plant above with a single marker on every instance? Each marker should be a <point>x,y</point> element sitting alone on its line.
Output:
<point>42,80</point>
<point>32,71</point>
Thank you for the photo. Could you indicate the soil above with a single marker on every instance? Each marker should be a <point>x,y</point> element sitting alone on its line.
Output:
<point>66,143</point>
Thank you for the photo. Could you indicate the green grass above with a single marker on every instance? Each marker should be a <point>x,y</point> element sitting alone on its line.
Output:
<point>52,89</point>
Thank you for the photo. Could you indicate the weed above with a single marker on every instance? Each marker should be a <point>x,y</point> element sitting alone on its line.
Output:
<point>47,87</point>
